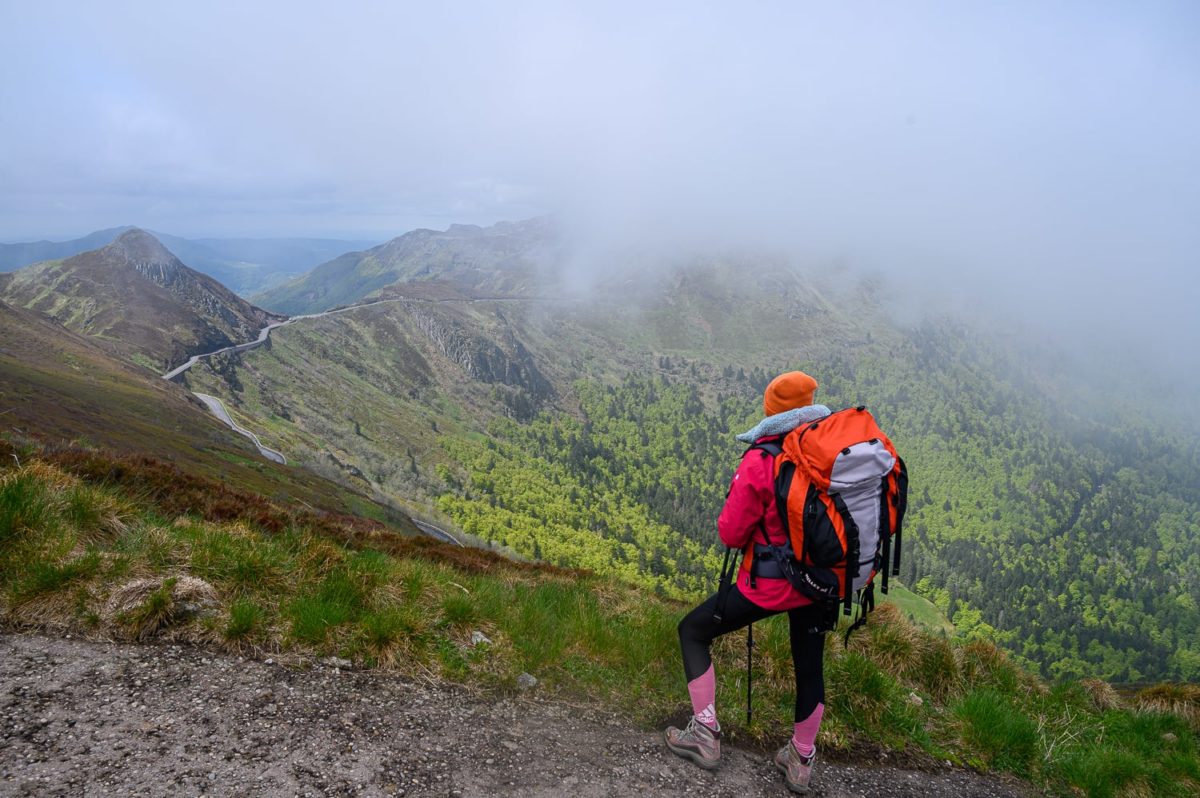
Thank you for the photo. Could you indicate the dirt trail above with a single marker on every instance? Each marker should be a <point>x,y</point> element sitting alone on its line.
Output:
<point>86,718</point>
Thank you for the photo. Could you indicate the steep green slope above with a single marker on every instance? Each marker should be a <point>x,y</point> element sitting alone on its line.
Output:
<point>58,389</point>
<point>1074,541</point>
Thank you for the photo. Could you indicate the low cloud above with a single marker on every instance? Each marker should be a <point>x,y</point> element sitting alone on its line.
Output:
<point>1037,161</point>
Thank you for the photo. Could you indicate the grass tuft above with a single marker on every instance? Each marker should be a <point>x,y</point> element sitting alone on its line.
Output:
<point>458,609</point>
<point>1180,699</point>
<point>1101,694</point>
<point>1005,735</point>
<point>48,577</point>
<point>145,607</point>
<point>245,618</point>
<point>25,504</point>
<point>862,691</point>
<point>983,663</point>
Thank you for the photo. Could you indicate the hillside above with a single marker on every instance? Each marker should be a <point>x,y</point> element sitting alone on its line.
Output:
<point>59,389</point>
<point>262,618</point>
<point>1032,522</point>
<point>137,299</point>
<point>509,258</point>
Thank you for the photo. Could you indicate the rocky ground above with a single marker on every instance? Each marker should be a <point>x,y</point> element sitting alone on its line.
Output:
<point>86,718</point>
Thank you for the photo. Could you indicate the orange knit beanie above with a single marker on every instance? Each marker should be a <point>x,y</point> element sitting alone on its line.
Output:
<point>788,391</point>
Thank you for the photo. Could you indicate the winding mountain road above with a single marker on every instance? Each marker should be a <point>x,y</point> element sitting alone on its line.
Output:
<point>217,407</point>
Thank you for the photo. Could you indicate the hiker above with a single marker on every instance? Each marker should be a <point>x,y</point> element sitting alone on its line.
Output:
<point>749,510</point>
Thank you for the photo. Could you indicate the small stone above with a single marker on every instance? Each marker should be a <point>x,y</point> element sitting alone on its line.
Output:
<point>337,662</point>
<point>1169,737</point>
<point>480,639</point>
<point>527,681</point>
<point>915,699</point>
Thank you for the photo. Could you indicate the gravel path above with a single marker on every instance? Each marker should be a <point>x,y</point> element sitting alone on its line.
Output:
<point>83,718</point>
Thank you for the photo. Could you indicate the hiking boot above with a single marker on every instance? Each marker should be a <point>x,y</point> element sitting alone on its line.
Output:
<point>796,769</point>
<point>697,742</point>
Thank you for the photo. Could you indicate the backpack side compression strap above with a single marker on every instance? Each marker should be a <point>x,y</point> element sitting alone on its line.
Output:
<point>885,533</point>
<point>852,552</point>
<point>901,508</point>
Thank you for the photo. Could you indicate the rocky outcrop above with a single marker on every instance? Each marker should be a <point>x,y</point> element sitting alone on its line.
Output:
<point>505,361</point>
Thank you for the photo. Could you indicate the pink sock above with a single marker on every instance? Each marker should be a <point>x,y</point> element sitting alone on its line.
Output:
<point>806,731</point>
<point>703,690</point>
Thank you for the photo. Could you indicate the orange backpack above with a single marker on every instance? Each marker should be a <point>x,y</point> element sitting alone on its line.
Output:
<point>841,491</point>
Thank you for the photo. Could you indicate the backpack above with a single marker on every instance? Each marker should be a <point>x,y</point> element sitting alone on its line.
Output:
<point>841,491</point>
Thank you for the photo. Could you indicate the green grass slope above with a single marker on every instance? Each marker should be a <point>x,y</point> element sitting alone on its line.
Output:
<point>58,389</point>
<point>82,552</point>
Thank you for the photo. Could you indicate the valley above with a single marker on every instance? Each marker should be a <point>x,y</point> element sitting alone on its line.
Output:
<point>475,474</point>
<point>598,433</point>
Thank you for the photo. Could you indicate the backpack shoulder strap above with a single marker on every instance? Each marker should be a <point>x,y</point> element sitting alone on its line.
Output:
<point>773,448</point>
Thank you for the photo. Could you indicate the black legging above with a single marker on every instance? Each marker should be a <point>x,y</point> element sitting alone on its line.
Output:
<point>698,629</point>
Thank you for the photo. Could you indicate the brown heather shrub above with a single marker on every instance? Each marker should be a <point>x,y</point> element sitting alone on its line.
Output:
<point>473,561</point>
<point>175,492</point>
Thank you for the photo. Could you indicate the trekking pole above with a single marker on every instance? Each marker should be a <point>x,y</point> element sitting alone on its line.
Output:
<point>749,671</point>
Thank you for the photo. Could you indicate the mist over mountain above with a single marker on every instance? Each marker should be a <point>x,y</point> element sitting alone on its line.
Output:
<point>1043,496</point>
<point>510,258</point>
<point>137,298</point>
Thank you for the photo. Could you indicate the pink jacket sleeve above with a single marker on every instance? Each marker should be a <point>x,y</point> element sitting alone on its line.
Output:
<point>751,496</point>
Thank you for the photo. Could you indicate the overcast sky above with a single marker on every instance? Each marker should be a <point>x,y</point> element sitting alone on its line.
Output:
<point>1045,148</point>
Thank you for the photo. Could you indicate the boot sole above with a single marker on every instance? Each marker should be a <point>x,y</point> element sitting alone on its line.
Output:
<point>707,764</point>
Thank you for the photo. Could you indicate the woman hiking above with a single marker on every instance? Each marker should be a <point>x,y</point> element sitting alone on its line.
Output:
<point>749,511</point>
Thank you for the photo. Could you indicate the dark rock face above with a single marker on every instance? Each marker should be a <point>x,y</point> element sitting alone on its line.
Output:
<point>507,362</point>
<point>500,360</point>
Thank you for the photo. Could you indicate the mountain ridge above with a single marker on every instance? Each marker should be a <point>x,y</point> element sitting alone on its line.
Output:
<point>504,259</point>
<point>140,300</point>
<point>244,265</point>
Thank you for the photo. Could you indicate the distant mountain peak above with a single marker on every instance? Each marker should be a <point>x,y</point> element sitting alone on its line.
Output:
<point>138,297</point>
<point>138,246</point>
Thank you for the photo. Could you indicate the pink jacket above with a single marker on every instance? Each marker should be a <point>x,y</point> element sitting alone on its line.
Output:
<point>749,507</point>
